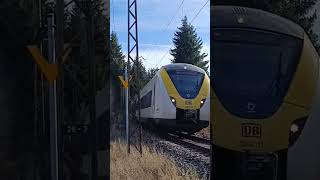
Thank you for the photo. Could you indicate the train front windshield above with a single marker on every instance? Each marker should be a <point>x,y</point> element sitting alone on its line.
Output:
<point>252,70</point>
<point>187,82</point>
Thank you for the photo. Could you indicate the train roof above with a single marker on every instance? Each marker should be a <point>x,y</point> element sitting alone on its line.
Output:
<point>243,17</point>
<point>182,66</point>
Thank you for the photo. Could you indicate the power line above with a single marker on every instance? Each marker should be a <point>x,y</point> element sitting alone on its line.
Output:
<point>163,56</point>
<point>199,12</point>
<point>190,22</point>
<point>171,20</point>
<point>175,13</point>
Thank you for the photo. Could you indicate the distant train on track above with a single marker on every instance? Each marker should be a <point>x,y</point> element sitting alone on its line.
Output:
<point>265,98</point>
<point>177,98</point>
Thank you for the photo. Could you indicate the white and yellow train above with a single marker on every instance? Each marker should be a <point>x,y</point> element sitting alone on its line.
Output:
<point>177,97</point>
<point>265,97</point>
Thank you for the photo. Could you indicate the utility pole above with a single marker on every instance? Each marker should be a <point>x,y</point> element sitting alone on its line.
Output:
<point>52,102</point>
<point>92,84</point>
<point>60,49</point>
<point>127,89</point>
<point>133,35</point>
<point>123,122</point>
<point>126,99</point>
<point>138,76</point>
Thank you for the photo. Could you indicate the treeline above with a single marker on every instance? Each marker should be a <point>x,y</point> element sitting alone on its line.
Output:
<point>75,70</point>
<point>117,67</point>
<point>27,127</point>
<point>22,20</point>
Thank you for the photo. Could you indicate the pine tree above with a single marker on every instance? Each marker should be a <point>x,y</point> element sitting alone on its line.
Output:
<point>297,11</point>
<point>76,99</point>
<point>294,10</point>
<point>152,72</point>
<point>116,56</point>
<point>142,77</point>
<point>188,46</point>
<point>117,63</point>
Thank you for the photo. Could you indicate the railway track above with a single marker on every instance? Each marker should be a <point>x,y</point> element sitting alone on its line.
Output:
<point>195,143</point>
<point>193,137</point>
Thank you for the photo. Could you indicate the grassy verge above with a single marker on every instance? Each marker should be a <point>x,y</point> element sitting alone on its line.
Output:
<point>149,166</point>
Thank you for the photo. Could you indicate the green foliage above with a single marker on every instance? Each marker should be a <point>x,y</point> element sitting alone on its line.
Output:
<point>137,81</point>
<point>117,57</point>
<point>117,64</point>
<point>296,11</point>
<point>101,37</point>
<point>151,72</point>
<point>188,46</point>
<point>77,77</point>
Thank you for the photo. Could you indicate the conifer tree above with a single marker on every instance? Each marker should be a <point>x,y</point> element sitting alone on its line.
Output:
<point>188,46</point>
<point>142,81</point>
<point>151,72</point>
<point>116,56</point>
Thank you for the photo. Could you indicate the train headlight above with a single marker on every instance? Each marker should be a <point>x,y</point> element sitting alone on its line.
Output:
<point>296,129</point>
<point>173,100</point>
<point>202,102</point>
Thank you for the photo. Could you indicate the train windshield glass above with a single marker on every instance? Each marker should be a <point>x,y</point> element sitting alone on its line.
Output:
<point>252,70</point>
<point>188,83</point>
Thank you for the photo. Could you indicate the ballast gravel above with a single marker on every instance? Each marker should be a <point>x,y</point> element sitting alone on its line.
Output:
<point>186,158</point>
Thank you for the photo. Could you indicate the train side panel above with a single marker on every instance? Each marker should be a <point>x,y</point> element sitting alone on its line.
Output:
<point>164,109</point>
<point>205,109</point>
<point>147,111</point>
<point>304,152</point>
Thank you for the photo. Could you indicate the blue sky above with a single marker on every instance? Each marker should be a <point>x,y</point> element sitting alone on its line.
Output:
<point>155,36</point>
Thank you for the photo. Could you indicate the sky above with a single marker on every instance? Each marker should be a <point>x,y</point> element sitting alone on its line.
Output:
<point>157,22</point>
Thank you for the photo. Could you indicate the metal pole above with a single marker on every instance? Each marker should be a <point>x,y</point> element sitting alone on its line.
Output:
<point>43,106</point>
<point>127,89</point>
<point>123,122</point>
<point>52,102</point>
<point>126,99</point>
<point>92,84</point>
<point>36,119</point>
<point>60,48</point>
<point>123,118</point>
<point>42,80</point>
<point>35,103</point>
<point>138,70</point>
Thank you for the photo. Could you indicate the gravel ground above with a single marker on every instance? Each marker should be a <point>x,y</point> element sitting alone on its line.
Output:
<point>186,159</point>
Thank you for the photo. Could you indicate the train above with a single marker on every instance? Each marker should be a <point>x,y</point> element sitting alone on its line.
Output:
<point>176,98</point>
<point>265,104</point>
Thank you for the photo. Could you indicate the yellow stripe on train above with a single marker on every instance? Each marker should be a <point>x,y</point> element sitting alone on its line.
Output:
<point>181,102</point>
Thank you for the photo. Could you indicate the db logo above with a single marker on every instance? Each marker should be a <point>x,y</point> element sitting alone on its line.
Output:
<point>251,107</point>
<point>188,102</point>
<point>251,130</point>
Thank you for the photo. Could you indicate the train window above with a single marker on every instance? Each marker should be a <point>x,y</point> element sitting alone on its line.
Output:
<point>187,82</point>
<point>146,100</point>
<point>253,70</point>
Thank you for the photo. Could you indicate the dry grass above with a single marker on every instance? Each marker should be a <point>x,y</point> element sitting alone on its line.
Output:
<point>149,166</point>
<point>204,132</point>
